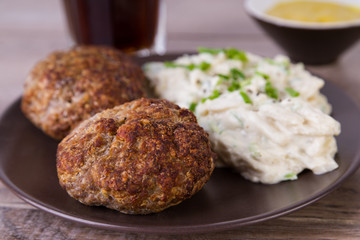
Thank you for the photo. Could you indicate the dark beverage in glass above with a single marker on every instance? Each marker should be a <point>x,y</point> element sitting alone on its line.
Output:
<point>129,25</point>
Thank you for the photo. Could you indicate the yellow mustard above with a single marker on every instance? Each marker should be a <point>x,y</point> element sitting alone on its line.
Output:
<point>312,11</point>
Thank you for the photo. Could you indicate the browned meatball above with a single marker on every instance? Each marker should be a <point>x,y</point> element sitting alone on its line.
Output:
<point>70,86</point>
<point>138,158</point>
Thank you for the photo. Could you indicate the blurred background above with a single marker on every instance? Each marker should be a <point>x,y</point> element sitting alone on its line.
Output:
<point>29,30</point>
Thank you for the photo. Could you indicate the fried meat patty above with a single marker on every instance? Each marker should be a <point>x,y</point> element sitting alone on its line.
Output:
<point>70,86</point>
<point>138,158</point>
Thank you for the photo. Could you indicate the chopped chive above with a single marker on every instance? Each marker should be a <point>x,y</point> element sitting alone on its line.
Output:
<point>215,94</point>
<point>234,86</point>
<point>222,76</point>
<point>192,106</point>
<point>291,176</point>
<point>292,92</point>
<point>209,50</point>
<point>235,54</point>
<point>245,97</point>
<point>190,66</point>
<point>270,90</point>
<point>204,66</point>
<point>171,64</point>
<point>235,74</point>
<point>231,89</point>
<point>230,53</point>
<point>265,76</point>
<point>285,64</point>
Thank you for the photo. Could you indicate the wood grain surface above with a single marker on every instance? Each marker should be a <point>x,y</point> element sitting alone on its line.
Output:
<point>29,30</point>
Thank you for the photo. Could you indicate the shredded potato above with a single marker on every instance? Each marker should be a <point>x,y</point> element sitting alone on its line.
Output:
<point>266,117</point>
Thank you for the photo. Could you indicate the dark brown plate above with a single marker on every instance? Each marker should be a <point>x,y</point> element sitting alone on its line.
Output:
<point>27,167</point>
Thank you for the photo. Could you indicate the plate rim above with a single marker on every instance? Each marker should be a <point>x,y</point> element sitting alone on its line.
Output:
<point>201,228</point>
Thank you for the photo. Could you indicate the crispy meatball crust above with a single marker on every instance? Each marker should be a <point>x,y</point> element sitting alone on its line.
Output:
<point>138,158</point>
<point>70,86</point>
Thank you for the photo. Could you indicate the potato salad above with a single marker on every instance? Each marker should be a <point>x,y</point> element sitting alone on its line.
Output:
<point>265,116</point>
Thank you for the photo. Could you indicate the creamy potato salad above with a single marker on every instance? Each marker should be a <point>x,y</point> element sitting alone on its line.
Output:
<point>266,117</point>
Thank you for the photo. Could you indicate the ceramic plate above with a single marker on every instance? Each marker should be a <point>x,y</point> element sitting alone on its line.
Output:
<point>27,167</point>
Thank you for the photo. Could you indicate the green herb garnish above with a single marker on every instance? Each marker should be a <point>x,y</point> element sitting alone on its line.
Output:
<point>234,86</point>
<point>209,50</point>
<point>291,176</point>
<point>235,54</point>
<point>270,90</point>
<point>191,66</point>
<point>171,65</point>
<point>204,66</point>
<point>235,74</point>
<point>230,53</point>
<point>222,76</point>
<point>192,106</point>
<point>265,76</point>
<point>285,64</point>
<point>292,92</point>
<point>220,81</point>
<point>215,94</point>
<point>245,97</point>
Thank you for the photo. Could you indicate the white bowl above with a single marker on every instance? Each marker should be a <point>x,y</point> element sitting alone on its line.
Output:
<point>312,43</point>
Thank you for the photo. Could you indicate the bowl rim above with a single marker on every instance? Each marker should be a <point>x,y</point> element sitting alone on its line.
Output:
<point>261,15</point>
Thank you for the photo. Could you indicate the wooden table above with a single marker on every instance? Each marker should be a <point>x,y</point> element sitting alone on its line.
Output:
<point>29,30</point>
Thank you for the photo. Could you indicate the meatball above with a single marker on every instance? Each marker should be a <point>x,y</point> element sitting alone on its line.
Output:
<point>138,158</point>
<point>70,86</point>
